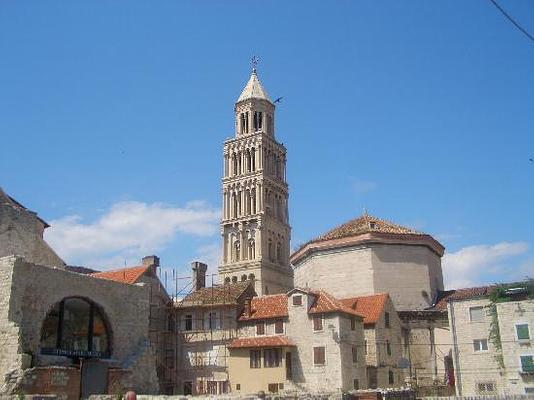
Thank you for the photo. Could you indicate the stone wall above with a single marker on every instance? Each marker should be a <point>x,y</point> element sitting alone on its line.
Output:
<point>21,233</point>
<point>29,292</point>
<point>410,274</point>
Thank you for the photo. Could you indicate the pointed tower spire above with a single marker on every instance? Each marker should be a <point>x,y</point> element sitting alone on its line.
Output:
<point>254,89</point>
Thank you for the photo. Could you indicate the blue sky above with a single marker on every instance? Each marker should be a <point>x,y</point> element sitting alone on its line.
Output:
<point>113,115</point>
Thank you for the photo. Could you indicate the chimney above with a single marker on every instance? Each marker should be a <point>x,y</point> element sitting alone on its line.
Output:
<point>151,261</point>
<point>248,306</point>
<point>199,274</point>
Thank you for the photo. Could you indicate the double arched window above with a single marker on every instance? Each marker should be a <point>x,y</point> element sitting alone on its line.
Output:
<point>75,327</point>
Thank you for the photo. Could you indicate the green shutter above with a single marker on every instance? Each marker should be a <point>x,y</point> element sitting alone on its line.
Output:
<point>527,363</point>
<point>522,332</point>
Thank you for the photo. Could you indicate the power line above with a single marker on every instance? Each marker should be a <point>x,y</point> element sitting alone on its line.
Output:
<point>513,21</point>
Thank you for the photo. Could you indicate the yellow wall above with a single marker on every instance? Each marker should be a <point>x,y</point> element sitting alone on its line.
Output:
<point>252,380</point>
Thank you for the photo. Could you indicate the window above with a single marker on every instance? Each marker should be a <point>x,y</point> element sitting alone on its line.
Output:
<point>271,358</point>
<point>388,347</point>
<point>476,314</point>
<point>318,356</point>
<point>260,328</point>
<point>213,321</point>
<point>365,346</point>
<point>317,322</point>
<point>75,327</point>
<point>486,387</point>
<point>391,377</point>
<point>529,390</point>
<point>480,344</point>
<point>527,363</point>
<point>297,300</point>
<point>255,359</point>
<point>386,320</point>
<point>356,384</point>
<point>354,354</point>
<point>188,322</point>
<point>279,326</point>
<point>237,386</point>
<point>522,332</point>
<point>272,387</point>
<point>353,324</point>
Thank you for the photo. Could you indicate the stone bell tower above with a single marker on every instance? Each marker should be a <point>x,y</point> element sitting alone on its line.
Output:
<point>254,226</point>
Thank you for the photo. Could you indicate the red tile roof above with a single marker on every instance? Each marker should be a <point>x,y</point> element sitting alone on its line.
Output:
<point>261,341</point>
<point>125,275</point>
<point>228,293</point>
<point>326,303</point>
<point>371,307</point>
<point>461,294</point>
<point>366,229</point>
<point>266,307</point>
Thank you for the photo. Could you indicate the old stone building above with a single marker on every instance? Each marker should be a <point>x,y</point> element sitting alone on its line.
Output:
<point>385,345</point>
<point>72,334</point>
<point>255,222</point>
<point>207,323</point>
<point>161,319</point>
<point>21,233</point>
<point>305,341</point>
<point>492,340</point>
<point>369,255</point>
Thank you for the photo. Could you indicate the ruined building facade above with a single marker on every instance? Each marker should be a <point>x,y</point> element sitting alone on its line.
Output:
<point>254,227</point>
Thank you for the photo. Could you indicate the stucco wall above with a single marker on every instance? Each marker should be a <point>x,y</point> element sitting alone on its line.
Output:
<point>33,290</point>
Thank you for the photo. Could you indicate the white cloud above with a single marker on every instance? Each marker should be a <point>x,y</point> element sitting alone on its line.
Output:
<point>210,254</point>
<point>472,265</point>
<point>362,186</point>
<point>128,231</point>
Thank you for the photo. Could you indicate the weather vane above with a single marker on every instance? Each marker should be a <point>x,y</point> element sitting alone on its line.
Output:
<point>254,62</point>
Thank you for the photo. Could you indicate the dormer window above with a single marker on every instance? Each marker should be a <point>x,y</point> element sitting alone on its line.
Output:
<point>297,300</point>
<point>372,225</point>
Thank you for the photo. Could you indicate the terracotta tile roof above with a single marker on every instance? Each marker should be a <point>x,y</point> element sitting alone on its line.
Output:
<point>371,307</point>
<point>364,229</point>
<point>125,275</point>
<point>266,307</point>
<point>261,341</point>
<point>460,294</point>
<point>364,224</point>
<point>326,303</point>
<point>221,294</point>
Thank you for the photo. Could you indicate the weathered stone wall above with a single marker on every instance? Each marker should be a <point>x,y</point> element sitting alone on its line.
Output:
<point>343,272</point>
<point>30,291</point>
<point>474,367</point>
<point>510,314</point>
<point>21,233</point>
<point>410,274</point>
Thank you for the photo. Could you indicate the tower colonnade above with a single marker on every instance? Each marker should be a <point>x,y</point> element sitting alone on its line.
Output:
<point>254,224</point>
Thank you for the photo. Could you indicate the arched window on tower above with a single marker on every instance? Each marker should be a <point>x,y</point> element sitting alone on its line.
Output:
<point>234,204</point>
<point>247,155</point>
<point>260,120</point>
<point>253,158</point>
<point>253,201</point>
<point>247,202</point>
<point>251,277</point>
<point>234,279</point>
<point>227,280</point>
<point>246,122</point>
<point>270,250</point>
<point>243,278</point>
<point>255,121</point>
<point>252,249</point>
<point>278,252</point>
<point>237,250</point>
<point>234,164</point>
<point>242,123</point>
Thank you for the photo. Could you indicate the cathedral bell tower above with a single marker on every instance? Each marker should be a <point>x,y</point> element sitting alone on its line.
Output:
<point>254,226</point>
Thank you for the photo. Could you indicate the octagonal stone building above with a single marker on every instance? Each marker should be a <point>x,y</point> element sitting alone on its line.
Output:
<point>368,255</point>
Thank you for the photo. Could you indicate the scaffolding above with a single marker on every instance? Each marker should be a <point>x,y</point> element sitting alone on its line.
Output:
<point>191,353</point>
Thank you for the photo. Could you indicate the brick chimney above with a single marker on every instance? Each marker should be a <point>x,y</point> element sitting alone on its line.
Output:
<point>199,274</point>
<point>151,261</point>
<point>248,307</point>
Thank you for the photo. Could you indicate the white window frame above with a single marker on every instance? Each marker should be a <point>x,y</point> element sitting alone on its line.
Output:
<point>521,365</point>
<point>480,349</point>
<point>476,321</point>
<point>517,336</point>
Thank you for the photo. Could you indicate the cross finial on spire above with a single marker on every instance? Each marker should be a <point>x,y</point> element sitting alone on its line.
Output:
<point>254,62</point>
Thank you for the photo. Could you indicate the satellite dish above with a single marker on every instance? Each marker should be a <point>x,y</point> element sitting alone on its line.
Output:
<point>404,363</point>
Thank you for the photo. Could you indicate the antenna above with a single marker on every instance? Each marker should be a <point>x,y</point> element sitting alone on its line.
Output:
<point>254,62</point>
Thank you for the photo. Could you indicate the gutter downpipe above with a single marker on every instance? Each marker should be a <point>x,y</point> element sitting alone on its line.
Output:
<point>456,350</point>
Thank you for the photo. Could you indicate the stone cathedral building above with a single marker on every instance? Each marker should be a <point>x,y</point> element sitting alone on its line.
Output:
<point>255,228</point>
